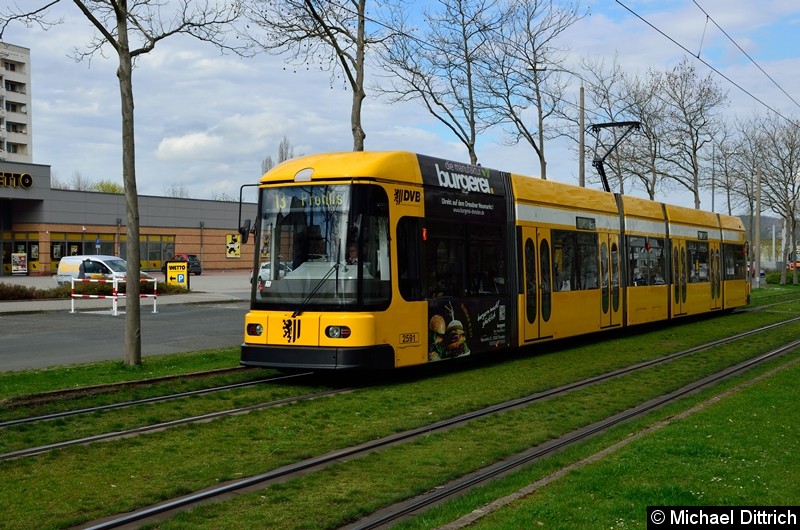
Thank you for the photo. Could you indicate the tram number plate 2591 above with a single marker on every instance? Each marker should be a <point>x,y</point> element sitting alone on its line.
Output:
<point>409,338</point>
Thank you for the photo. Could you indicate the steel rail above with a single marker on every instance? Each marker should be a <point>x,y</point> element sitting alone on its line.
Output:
<point>155,399</point>
<point>31,451</point>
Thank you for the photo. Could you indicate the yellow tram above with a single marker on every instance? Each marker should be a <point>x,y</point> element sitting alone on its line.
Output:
<point>390,259</point>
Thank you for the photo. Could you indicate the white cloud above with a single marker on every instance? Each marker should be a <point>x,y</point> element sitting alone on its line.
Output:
<point>195,146</point>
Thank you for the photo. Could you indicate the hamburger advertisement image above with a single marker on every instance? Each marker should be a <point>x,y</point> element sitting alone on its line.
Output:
<point>457,330</point>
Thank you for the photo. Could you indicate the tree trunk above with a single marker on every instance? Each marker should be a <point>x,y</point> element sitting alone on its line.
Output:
<point>355,115</point>
<point>133,330</point>
<point>358,91</point>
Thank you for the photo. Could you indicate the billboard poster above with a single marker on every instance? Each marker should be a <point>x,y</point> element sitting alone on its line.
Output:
<point>461,327</point>
<point>233,247</point>
<point>19,263</point>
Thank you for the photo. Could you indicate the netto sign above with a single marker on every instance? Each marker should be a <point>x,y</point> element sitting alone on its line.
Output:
<point>16,180</point>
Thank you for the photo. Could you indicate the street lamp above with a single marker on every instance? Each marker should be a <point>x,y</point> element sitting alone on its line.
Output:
<point>581,140</point>
<point>755,280</point>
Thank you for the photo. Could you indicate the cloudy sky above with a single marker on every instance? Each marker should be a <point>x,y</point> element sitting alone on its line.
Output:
<point>205,121</point>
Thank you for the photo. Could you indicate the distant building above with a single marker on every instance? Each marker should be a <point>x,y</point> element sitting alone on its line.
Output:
<point>15,104</point>
<point>39,225</point>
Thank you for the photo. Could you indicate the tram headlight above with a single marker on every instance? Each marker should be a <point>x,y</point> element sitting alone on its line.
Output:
<point>337,332</point>
<point>255,330</point>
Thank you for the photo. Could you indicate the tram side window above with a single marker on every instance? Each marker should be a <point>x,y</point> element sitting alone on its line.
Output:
<point>698,261</point>
<point>408,259</point>
<point>646,261</point>
<point>575,263</point>
<point>464,259</point>
<point>444,253</point>
<point>735,262</point>
<point>486,267</point>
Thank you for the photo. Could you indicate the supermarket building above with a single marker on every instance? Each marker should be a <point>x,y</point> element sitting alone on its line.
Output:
<point>39,225</point>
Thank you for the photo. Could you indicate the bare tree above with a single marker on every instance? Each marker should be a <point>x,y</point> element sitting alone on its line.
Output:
<point>747,157</point>
<point>176,190</point>
<point>80,183</point>
<point>267,164</point>
<point>732,165</point>
<point>223,197</point>
<point>524,72</point>
<point>609,100</point>
<point>691,110</point>
<point>331,34</point>
<point>641,152</point>
<point>780,143</point>
<point>285,152</point>
<point>146,22</point>
<point>437,65</point>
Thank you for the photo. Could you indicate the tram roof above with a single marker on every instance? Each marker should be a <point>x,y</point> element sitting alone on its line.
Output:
<point>404,166</point>
<point>534,190</point>
<point>400,165</point>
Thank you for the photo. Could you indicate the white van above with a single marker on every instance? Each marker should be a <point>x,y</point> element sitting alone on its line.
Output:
<point>93,267</point>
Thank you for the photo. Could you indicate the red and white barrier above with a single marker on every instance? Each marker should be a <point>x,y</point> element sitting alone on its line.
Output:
<point>115,294</point>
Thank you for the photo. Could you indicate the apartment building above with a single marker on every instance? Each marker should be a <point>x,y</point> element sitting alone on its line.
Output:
<point>15,104</point>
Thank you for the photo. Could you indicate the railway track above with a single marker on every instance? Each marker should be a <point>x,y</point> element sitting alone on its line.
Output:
<point>383,517</point>
<point>156,399</point>
<point>31,451</point>
<point>454,489</point>
<point>74,393</point>
<point>127,433</point>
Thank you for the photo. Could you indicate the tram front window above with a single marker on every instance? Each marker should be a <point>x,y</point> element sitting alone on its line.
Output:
<point>322,248</point>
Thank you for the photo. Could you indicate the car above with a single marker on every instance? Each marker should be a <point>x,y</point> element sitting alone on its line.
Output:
<point>791,266</point>
<point>195,267</point>
<point>264,271</point>
<point>94,267</point>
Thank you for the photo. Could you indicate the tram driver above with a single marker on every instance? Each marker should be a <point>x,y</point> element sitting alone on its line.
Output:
<point>352,254</point>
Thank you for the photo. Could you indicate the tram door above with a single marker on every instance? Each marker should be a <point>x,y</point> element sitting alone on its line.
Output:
<point>715,275</point>
<point>611,314</point>
<point>537,305</point>
<point>680,275</point>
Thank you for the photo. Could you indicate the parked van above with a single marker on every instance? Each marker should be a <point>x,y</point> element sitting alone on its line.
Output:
<point>93,267</point>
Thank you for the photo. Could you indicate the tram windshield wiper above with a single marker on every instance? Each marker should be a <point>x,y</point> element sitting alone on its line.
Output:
<point>299,310</point>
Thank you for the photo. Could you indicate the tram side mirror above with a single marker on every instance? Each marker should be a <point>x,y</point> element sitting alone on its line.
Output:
<point>244,231</point>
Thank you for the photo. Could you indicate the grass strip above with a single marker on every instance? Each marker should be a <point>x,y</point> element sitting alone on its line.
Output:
<point>741,451</point>
<point>114,476</point>
<point>28,382</point>
<point>87,482</point>
<point>343,493</point>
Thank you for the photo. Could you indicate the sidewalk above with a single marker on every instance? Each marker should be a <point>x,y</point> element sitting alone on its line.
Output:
<point>211,286</point>
<point>9,307</point>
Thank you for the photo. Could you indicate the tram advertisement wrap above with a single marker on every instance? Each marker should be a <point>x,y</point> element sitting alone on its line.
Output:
<point>460,327</point>
<point>464,178</point>
<point>468,208</point>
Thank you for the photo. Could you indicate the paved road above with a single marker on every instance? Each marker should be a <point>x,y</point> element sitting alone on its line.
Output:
<point>43,334</point>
